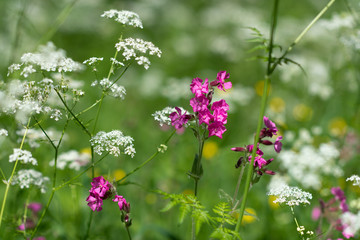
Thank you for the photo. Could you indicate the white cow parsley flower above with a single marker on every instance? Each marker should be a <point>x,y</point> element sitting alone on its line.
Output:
<point>355,179</point>
<point>111,88</point>
<point>26,177</point>
<point>290,195</point>
<point>23,156</point>
<point>72,159</point>
<point>162,116</point>
<point>125,17</point>
<point>111,142</point>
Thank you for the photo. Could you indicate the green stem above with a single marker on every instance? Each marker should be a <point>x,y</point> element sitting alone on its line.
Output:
<point>73,115</point>
<point>58,22</point>
<point>89,225</point>
<point>147,161</point>
<point>234,202</point>
<point>301,35</point>
<point>12,174</point>
<point>128,232</point>
<point>261,115</point>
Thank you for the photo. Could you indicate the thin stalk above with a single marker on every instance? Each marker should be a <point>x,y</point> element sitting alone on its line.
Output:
<point>238,186</point>
<point>25,213</point>
<point>12,174</point>
<point>88,225</point>
<point>128,232</point>
<point>302,34</point>
<point>58,22</point>
<point>146,161</point>
<point>261,115</point>
<point>56,148</point>
<point>73,115</point>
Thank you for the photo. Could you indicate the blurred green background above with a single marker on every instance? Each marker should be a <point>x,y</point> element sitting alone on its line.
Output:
<point>198,39</point>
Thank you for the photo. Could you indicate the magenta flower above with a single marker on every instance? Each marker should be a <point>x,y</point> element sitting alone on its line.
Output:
<point>220,82</point>
<point>100,186</point>
<point>216,128</point>
<point>270,129</point>
<point>94,202</point>
<point>28,225</point>
<point>220,105</point>
<point>123,205</point>
<point>340,196</point>
<point>278,144</point>
<point>205,116</point>
<point>178,119</point>
<point>220,116</point>
<point>35,207</point>
<point>199,103</point>
<point>198,88</point>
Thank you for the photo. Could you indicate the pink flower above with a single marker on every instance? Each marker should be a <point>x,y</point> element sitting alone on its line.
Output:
<point>220,115</point>
<point>205,116</point>
<point>220,105</point>
<point>216,128</point>
<point>28,225</point>
<point>35,206</point>
<point>198,88</point>
<point>94,202</point>
<point>220,82</point>
<point>123,205</point>
<point>178,119</point>
<point>199,103</point>
<point>278,144</point>
<point>316,213</point>
<point>99,186</point>
<point>270,129</point>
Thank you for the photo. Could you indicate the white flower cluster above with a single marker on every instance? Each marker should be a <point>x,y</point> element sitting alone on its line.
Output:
<point>3,132</point>
<point>290,196</point>
<point>111,142</point>
<point>26,177</point>
<point>162,148</point>
<point>23,156</point>
<point>72,159</point>
<point>163,116</point>
<point>351,222</point>
<point>131,47</point>
<point>91,61</point>
<point>124,17</point>
<point>111,88</point>
<point>308,164</point>
<point>35,137</point>
<point>355,179</point>
<point>48,58</point>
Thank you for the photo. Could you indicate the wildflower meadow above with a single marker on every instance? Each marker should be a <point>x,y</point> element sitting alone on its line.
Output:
<point>170,119</point>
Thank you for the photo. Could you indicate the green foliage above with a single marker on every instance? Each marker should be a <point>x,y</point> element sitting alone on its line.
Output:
<point>189,203</point>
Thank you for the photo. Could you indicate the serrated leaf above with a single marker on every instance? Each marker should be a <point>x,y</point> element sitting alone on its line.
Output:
<point>184,210</point>
<point>168,206</point>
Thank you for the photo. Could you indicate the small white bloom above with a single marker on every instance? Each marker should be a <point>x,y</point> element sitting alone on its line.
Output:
<point>355,179</point>
<point>112,89</point>
<point>116,62</point>
<point>111,142</point>
<point>290,195</point>
<point>3,132</point>
<point>125,17</point>
<point>72,159</point>
<point>13,67</point>
<point>163,116</point>
<point>91,61</point>
<point>26,177</point>
<point>23,156</point>
<point>162,148</point>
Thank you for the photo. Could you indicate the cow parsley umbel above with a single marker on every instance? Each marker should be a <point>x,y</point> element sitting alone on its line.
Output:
<point>290,196</point>
<point>124,17</point>
<point>23,156</point>
<point>111,142</point>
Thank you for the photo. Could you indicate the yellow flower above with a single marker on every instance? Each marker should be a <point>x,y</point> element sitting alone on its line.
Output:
<point>210,149</point>
<point>302,112</point>
<point>86,150</point>
<point>337,126</point>
<point>249,218</point>
<point>277,104</point>
<point>271,200</point>
<point>259,88</point>
<point>117,174</point>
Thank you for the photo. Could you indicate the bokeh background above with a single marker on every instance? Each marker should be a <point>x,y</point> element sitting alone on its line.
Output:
<point>317,103</point>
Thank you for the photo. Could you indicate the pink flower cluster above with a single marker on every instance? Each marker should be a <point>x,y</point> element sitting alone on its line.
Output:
<point>30,223</point>
<point>213,115</point>
<point>259,162</point>
<point>332,210</point>
<point>102,189</point>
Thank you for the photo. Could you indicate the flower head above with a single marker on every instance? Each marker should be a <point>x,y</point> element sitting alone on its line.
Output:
<point>123,205</point>
<point>178,119</point>
<point>216,129</point>
<point>290,195</point>
<point>198,88</point>
<point>124,17</point>
<point>220,82</point>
